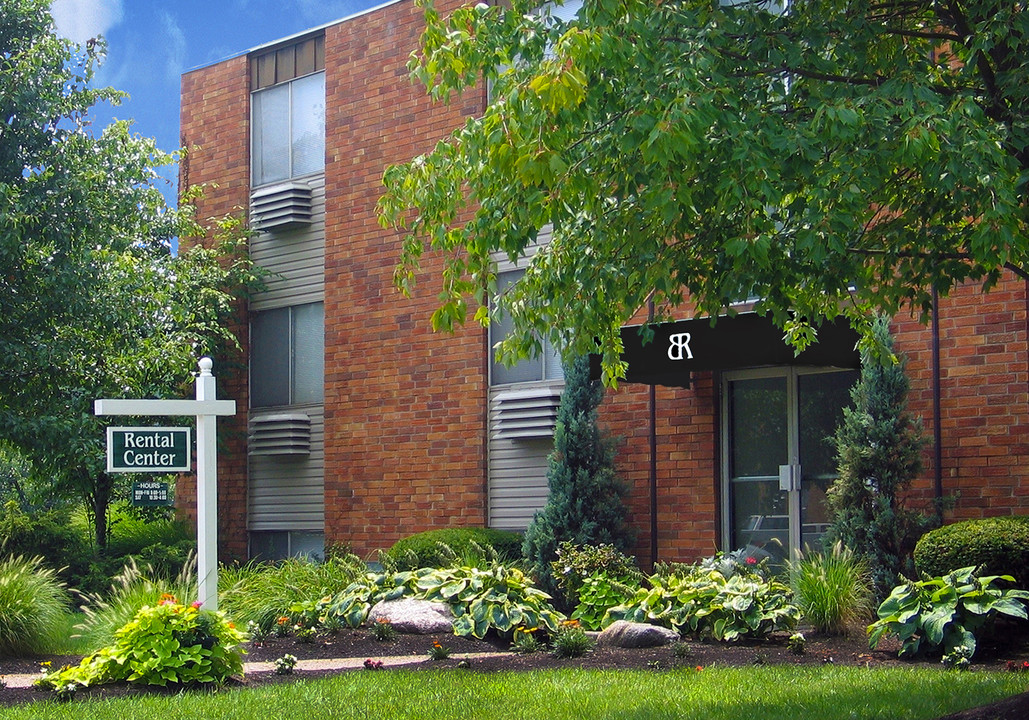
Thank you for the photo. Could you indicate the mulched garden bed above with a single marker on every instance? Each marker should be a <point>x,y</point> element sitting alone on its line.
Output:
<point>1010,646</point>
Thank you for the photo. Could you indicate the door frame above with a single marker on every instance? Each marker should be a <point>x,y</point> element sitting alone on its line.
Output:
<point>791,373</point>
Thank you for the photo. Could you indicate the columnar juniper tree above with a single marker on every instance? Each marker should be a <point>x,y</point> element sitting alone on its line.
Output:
<point>584,504</point>
<point>879,447</point>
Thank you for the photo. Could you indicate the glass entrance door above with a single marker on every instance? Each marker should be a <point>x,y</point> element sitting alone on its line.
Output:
<point>778,460</point>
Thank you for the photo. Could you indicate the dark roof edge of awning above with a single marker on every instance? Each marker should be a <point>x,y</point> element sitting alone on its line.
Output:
<point>746,340</point>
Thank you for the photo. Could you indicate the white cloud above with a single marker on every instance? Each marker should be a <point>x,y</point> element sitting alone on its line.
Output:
<point>174,42</point>
<point>80,20</point>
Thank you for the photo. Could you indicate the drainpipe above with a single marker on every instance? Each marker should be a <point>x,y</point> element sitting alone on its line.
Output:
<point>937,414</point>
<point>652,401</point>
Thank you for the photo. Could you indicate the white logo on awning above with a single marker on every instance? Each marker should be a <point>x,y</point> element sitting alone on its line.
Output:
<point>678,344</point>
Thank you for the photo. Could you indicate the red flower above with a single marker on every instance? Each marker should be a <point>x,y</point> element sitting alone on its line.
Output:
<point>751,561</point>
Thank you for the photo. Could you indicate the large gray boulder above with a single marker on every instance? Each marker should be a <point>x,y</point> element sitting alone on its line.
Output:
<point>417,617</point>
<point>624,634</point>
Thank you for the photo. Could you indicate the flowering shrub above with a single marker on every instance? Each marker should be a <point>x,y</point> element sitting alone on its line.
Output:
<point>169,643</point>
<point>285,664</point>
<point>575,564</point>
<point>438,651</point>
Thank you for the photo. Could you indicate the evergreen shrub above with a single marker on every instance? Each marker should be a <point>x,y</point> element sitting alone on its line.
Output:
<point>879,452</point>
<point>50,536</point>
<point>584,495</point>
<point>997,545</point>
<point>467,545</point>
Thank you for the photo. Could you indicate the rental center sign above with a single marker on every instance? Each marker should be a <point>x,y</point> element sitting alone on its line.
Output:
<point>148,449</point>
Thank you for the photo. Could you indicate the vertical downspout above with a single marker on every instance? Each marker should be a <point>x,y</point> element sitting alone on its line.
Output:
<point>937,413</point>
<point>652,400</point>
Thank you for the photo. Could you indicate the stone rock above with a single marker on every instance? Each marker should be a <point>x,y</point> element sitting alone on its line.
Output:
<point>418,617</point>
<point>624,634</point>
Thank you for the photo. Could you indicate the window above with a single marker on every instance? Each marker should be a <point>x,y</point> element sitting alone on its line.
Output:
<point>545,366</point>
<point>280,545</point>
<point>288,112</point>
<point>287,348</point>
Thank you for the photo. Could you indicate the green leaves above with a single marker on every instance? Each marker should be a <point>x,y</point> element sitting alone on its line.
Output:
<point>169,643</point>
<point>703,601</point>
<point>499,598</point>
<point>93,303</point>
<point>945,612</point>
<point>829,160</point>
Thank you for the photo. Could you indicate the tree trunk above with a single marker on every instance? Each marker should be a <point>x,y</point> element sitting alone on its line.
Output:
<point>101,498</point>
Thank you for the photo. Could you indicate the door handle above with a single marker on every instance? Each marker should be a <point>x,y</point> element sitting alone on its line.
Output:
<point>789,477</point>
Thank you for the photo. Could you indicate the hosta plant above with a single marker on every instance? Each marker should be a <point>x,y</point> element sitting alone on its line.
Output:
<point>946,612</point>
<point>501,599</point>
<point>597,594</point>
<point>704,602</point>
<point>352,605</point>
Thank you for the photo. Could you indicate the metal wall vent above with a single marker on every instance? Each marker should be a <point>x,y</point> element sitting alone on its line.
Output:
<point>285,434</point>
<point>280,207</point>
<point>525,413</point>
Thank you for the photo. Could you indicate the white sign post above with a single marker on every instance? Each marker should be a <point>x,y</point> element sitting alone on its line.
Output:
<point>206,408</point>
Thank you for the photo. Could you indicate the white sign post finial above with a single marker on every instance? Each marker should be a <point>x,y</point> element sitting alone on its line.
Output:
<point>206,408</point>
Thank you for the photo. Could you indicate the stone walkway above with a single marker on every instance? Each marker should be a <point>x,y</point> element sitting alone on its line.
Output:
<point>23,681</point>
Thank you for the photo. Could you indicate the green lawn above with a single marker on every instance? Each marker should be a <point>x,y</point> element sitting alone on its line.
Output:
<point>757,693</point>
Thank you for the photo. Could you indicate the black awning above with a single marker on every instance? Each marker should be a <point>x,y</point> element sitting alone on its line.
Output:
<point>743,341</point>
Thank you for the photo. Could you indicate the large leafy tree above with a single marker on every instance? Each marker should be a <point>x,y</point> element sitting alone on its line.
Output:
<point>93,302</point>
<point>840,157</point>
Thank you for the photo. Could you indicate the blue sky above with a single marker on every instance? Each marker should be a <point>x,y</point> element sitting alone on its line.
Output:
<point>152,42</point>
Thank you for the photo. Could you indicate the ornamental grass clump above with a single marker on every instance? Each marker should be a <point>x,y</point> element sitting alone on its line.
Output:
<point>132,588</point>
<point>571,640</point>
<point>264,593</point>
<point>833,590</point>
<point>33,606</point>
<point>167,644</point>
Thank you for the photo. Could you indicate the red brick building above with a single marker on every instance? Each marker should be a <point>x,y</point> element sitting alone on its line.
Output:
<point>358,425</point>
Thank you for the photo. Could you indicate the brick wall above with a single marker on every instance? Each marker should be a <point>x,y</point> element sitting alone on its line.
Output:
<point>687,467</point>
<point>405,407</point>
<point>214,124</point>
<point>984,389</point>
